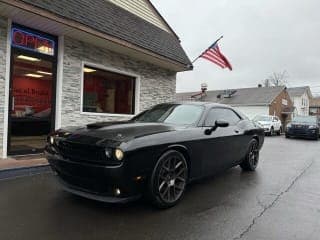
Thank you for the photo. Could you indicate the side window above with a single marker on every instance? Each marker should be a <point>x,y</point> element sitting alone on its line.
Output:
<point>223,114</point>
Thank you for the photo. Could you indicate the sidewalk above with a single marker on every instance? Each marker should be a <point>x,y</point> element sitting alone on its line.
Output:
<point>22,166</point>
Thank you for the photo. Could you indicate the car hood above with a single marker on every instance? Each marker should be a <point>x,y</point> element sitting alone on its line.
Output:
<point>108,132</point>
<point>303,123</point>
<point>264,122</point>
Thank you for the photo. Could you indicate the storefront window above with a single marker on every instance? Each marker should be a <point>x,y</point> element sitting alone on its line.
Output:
<point>107,92</point>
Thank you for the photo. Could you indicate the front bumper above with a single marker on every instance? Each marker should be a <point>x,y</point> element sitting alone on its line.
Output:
<point>95,181</point>
<point>302,132</point>
<point>266,130</point>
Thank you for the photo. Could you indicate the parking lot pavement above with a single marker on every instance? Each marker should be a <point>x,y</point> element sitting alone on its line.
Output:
<point>278,201</point>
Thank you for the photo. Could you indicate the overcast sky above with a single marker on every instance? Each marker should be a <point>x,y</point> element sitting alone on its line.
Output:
<point>260,37</point>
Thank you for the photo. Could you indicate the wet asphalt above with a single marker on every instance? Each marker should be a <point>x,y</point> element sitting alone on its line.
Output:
<point>281,200</point>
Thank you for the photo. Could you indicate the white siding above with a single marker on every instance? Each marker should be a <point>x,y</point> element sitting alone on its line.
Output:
<point>252,111</point>
<point>142,9</point>
<point>302,105</point>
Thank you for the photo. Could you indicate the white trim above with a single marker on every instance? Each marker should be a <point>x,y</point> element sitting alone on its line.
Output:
<point>6,92</point>
<point>59,82</point>
<point>103,67</point>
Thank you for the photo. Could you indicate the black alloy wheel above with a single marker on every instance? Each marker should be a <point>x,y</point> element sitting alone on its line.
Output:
<point>251,160</point>
<point>169,179</point>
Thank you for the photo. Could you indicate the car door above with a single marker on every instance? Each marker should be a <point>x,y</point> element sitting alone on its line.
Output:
<point>223,145</point>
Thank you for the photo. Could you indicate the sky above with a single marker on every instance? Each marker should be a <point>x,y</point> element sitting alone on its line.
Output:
<point>260,38</point>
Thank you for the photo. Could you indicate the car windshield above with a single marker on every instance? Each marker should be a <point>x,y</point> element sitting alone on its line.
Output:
<point>172,114</point>
<point>305,119</point>
<point>262,118</point>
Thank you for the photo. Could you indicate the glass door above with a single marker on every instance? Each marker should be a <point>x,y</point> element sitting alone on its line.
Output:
<point>32,94</point>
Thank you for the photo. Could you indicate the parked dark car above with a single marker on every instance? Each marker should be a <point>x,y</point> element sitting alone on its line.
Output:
<point>156,153</point>
<point>304,126</point>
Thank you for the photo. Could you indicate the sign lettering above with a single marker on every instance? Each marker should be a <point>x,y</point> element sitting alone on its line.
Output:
<point>33,42</point>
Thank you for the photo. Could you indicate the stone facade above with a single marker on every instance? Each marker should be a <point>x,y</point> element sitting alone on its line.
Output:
<point>3,54</point>
<point>157,85</point>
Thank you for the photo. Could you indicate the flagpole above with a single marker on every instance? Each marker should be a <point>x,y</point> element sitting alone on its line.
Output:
<point>207,49</point>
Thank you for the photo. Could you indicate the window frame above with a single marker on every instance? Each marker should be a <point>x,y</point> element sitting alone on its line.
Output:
<point>114,70</point>
<point>230,109</point>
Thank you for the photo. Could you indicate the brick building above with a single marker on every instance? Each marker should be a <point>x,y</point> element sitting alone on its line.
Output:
<point>72,62</point>
<point>314,106</point>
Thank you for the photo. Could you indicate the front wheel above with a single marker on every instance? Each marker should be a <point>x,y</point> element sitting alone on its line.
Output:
<point>271,131</point>
<point>168,181</point>
<point>251,159</point>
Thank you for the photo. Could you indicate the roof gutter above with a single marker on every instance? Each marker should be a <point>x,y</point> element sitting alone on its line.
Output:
<point>81,27</point>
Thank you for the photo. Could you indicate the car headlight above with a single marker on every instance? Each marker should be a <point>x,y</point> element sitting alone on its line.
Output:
<point>312,126</point>
<point>289,125</point>
<point>51,139</point>
<point>118,153</point>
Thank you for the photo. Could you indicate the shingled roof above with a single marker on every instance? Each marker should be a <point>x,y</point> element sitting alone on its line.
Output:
<point>299,91</point>
<point>110,19</point>
<point>259,96</point>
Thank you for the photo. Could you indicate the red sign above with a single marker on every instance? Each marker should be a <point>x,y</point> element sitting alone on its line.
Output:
<point>31,41</point>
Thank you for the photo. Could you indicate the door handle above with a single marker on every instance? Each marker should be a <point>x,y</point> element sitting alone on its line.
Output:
<point>236,131</point>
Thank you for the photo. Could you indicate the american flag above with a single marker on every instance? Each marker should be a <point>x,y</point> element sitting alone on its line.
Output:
<point>214,55</point>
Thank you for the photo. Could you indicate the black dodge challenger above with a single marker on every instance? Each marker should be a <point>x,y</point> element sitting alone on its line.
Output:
<point>156,153</point>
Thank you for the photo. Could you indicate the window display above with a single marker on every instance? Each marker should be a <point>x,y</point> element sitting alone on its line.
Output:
<point>107,92</point>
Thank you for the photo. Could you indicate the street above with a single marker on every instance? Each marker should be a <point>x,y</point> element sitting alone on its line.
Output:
<point>278,201</point>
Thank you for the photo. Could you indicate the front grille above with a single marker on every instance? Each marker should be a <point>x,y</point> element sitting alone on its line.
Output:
<point>298,126</point>
<point>81,152</point>
<point>92,185</point>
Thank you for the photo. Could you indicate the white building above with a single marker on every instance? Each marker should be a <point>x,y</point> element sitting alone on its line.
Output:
<point>301,99</point>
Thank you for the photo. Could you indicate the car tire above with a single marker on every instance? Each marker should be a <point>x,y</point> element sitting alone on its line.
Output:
<point>271,131</point>
<point>251,160</point>
<point>279,132</point>
<point>168,180</point>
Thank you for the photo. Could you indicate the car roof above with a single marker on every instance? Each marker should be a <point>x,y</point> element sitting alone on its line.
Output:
<point>198,103</point>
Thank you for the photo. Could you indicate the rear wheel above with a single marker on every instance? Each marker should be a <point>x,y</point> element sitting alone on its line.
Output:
<point>168,181</point>
<point>251,160</point>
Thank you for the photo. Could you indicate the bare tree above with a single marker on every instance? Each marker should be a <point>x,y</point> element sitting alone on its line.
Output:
<point>276,79</point>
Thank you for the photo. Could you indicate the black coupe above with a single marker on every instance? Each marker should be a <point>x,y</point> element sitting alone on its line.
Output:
<point>156,153</point>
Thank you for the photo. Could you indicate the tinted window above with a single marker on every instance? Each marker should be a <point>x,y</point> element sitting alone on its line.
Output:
<point>221,114</point>
<point>172,113</point>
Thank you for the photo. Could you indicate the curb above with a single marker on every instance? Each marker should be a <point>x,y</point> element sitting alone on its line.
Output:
<point>23,171</point>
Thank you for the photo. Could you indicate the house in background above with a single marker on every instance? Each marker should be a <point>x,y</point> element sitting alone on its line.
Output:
<point>301,99</point>
<point>74,62</point>
<point>314,107</point>
<point>251,101</point>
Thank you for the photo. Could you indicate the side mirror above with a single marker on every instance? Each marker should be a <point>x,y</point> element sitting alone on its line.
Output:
<point>218,123</point>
